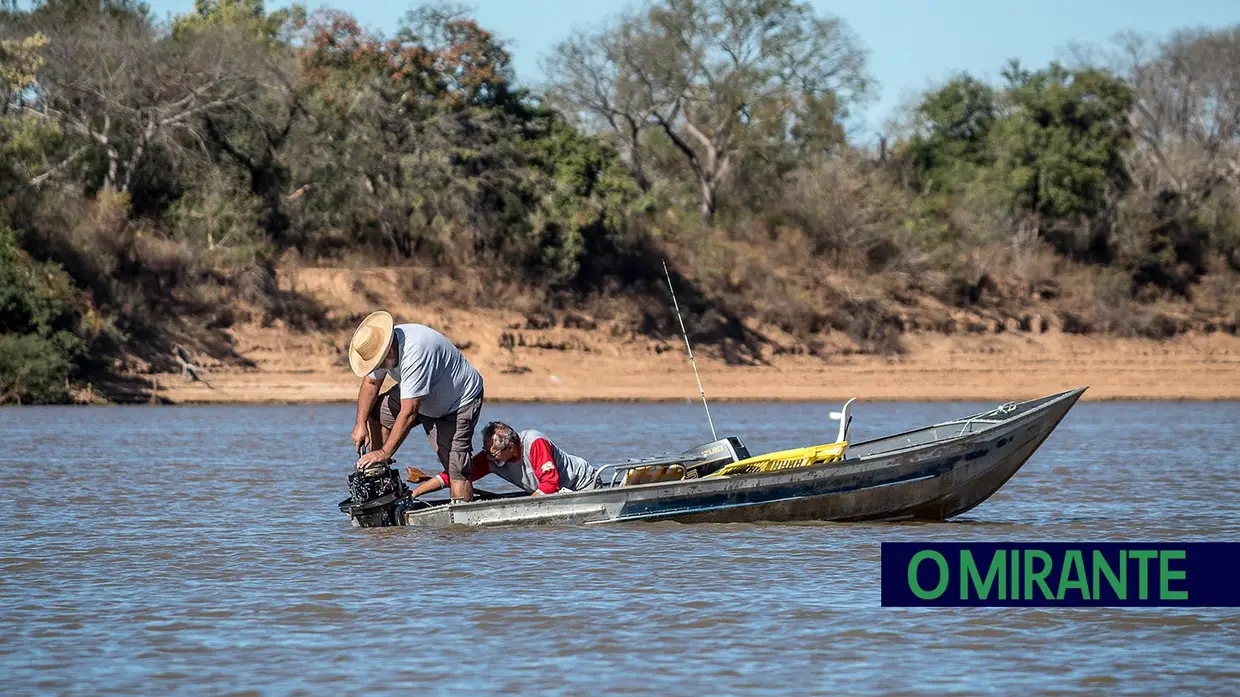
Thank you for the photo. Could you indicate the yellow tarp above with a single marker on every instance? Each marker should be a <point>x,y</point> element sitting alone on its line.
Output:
<point>786,459</point>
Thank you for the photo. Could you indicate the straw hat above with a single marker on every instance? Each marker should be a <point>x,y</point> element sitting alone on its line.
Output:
<point>370,343</point>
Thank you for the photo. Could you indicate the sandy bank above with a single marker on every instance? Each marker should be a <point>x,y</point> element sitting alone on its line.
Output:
<point>986,368</point>
<point>604,361</point>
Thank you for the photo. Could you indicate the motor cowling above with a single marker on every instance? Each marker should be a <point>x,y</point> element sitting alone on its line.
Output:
<point>375,498</point>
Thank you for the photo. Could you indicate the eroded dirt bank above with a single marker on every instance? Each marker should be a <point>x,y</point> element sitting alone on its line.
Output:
<point>589,360</point>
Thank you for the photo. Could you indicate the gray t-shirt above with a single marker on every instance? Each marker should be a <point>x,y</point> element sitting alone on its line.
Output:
<point>431,367</point>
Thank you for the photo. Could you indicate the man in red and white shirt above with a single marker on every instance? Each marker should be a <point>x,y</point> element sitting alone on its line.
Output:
<point>528,459</point>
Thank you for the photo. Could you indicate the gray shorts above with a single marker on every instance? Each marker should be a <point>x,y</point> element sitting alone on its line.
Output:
<point>451,435</point>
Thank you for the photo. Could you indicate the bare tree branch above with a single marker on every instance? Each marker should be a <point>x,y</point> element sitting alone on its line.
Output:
<point>715,77</point>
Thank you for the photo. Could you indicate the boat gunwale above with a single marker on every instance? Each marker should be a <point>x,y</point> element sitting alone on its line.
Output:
<point>1046,400</point>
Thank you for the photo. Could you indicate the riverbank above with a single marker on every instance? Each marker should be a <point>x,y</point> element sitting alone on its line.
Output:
<point>525,355</point>
<point>293,369</point>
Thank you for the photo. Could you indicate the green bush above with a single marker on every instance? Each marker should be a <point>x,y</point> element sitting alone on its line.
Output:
<point>33,370</point>
<point>35,298</point>
<point>39,310</point>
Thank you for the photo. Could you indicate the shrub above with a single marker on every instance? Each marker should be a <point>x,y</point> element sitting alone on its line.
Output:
<point>39,311</point>
<point>845,208</point>
<point>33,370</point>
<point>35,298</point>
<point>218,214</point>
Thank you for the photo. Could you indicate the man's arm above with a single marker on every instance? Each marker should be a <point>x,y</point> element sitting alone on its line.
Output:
<point>404,423</point>
<point>480,469</point>
<point>366,397</point>
<point>426,487</point>
<point>544,468</point>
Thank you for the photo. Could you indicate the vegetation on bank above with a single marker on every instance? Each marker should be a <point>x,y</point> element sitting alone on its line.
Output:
<point>154,175</point>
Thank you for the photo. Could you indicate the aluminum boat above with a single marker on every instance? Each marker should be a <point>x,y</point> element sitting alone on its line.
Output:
<point>932,473</point>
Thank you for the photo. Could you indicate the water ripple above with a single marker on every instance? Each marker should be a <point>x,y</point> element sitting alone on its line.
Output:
<point>162,552</point>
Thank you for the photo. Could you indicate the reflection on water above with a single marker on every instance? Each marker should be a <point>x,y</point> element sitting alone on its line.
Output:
<point>199,550</point>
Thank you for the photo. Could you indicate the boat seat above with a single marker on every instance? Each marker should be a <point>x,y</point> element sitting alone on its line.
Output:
<point>845,420</point>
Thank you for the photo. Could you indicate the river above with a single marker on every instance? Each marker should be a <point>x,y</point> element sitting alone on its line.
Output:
<point>199,550</point>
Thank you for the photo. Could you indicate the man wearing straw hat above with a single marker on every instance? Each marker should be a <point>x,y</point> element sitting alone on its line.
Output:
<point>435,387</point>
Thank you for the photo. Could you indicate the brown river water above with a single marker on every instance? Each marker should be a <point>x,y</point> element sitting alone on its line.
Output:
<point>199,550</point>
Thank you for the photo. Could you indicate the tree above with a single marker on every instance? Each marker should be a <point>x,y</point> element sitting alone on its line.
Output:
<point>1186,111</point>
<point>1185,123</point>
<point>26,139</point>
<point>40,310</point>
<point>1059,149</point>
<point>274,28</point>
<point>20,60</point>
<point>254,132</point>
<point>952,138</point>
<point>715,78</point>
<point>408,136</point>
<point>121,88</point>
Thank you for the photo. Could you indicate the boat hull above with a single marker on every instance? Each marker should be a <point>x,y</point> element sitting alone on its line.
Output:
<point>938,474</point>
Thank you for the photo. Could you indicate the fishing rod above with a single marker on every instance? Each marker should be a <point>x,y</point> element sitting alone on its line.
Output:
<point>689,348</point>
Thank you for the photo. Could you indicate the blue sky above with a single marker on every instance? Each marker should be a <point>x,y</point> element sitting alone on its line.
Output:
<point>912,44</point>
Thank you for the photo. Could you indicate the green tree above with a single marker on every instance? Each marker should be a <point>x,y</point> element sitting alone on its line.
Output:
<point>274,28</point>
<point>255,133</point>
<point>952,138</point>
<point>422,146</point>
<point>27,138</point>
<point>585,206</point>
<point>1059,153</point>
<point>20,60</point>
<point>409,150</point>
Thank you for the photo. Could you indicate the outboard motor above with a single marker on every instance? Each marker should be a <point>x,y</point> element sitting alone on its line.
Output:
<point>376,498</point>
<point>712,457</point>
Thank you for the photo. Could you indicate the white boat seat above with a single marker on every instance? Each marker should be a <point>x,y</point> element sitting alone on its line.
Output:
<point>845,420</point>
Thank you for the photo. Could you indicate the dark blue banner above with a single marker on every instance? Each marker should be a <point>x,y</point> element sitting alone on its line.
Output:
<point>1061,574</point>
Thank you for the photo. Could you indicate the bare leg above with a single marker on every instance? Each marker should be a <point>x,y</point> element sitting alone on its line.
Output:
<point>454,450</point>
<point>376,434</point>
<point>460,446</point>
<point>386,411</point>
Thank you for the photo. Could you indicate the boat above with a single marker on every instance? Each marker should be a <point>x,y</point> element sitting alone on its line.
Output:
<point>930,473</point>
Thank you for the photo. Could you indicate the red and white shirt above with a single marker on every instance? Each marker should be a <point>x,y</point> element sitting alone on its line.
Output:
<point>542,467</point>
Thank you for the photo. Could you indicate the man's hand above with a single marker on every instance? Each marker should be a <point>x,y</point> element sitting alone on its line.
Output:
<point>374,457</point>
<point>360,434</point>
<point>538,492</point>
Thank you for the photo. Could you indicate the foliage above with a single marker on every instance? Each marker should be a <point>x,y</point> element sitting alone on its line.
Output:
<point>152,171</point>
<point>40,310</point>
<point>440,158</point>
<point>953,138</point>
<point>718,80</point>
<point>1059,153</point>
<point>268,27</point>
<point>26,143</point>
<point>35,298</point>
<point>33,370</point>
<point>1045,151</point>
<point>20,59</point>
